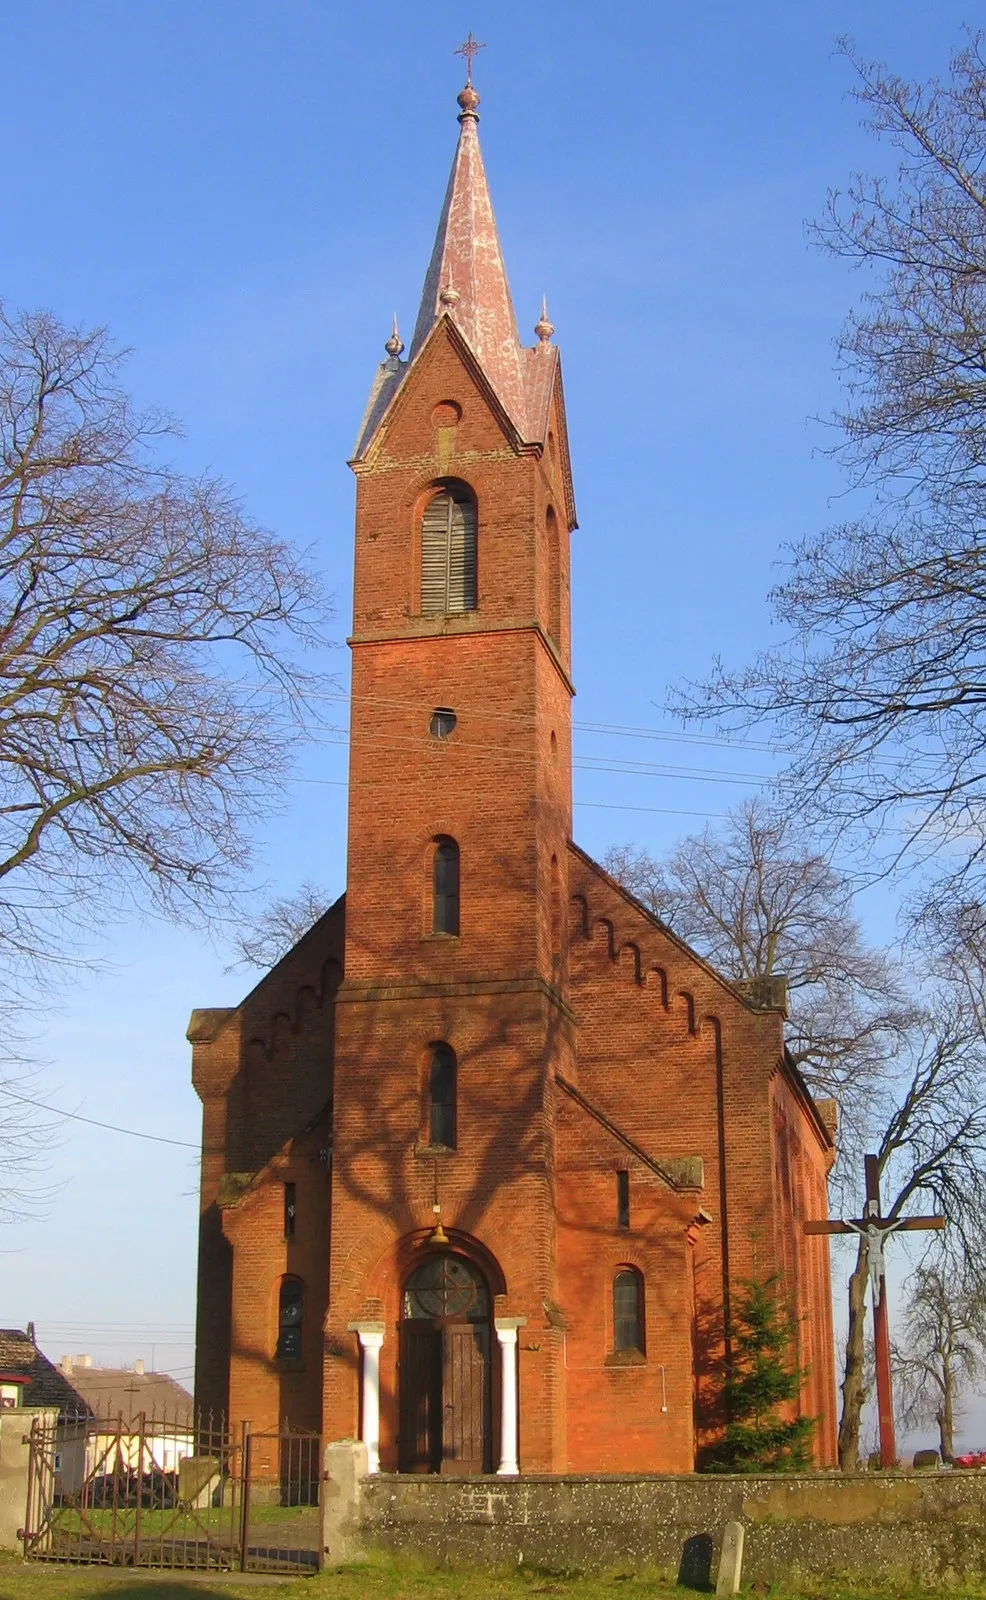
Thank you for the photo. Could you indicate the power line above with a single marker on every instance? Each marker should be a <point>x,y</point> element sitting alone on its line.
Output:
<point>111,1127</point>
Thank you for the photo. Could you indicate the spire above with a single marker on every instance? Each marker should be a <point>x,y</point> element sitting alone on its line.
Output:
<point>395,344</point>
<point>466,278</point>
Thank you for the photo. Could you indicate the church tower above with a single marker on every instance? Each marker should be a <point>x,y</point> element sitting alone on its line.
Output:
<point>452,1019</point>
<point>488,1152</point>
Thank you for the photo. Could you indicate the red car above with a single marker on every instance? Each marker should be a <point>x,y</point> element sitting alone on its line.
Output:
<point>976,1458</point>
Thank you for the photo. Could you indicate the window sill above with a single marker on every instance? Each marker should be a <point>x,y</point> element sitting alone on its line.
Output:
<point>429,1150</point>
<point>440,936</point>
<point>625,1358</point>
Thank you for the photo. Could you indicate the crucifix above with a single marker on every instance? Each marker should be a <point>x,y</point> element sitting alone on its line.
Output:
<point>469,50</point>
<point>875,1229</point>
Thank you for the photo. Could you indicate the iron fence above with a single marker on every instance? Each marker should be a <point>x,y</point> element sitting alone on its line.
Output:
<point>172,1492</point>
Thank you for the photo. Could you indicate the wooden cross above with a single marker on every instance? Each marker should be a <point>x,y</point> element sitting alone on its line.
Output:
<point>875,1228</point>
<point>469,50</point>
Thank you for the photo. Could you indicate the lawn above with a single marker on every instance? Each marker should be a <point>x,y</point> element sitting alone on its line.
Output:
<point>391,1581</point>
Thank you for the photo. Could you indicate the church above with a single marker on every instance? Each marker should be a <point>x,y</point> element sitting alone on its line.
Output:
<point>487,1157</point>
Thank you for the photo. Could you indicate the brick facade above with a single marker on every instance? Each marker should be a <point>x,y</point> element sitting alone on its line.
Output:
<point>588,1041</point>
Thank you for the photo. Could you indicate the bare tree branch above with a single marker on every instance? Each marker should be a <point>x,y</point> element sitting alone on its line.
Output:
<point>262,939</point>
<point>880,684</point>
<point>152,678</point>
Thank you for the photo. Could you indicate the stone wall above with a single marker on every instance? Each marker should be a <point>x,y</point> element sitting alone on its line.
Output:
<point>926,1527</point>
<point>15,1455</point>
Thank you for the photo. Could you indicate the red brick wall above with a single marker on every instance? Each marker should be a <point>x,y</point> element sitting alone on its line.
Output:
<point>264,1073</point>
<point>684,1068</point>
<point>557,987</point>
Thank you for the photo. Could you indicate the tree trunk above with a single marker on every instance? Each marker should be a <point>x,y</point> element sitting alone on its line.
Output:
<point>946,1416</point>
<point>853,1384</point>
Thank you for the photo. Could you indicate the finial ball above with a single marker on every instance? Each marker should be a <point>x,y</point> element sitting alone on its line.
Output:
<point>468,100</point>
<point>543,328</point>
<point>395,344</point>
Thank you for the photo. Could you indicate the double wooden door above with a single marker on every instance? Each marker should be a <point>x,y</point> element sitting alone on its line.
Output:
<point>444,1382</point>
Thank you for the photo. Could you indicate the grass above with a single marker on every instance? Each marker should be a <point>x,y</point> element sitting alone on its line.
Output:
<point>386,1580</point>
<point>179,1524</point>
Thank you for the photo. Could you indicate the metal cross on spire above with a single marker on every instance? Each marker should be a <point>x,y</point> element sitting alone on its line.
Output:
<point>468,50</point>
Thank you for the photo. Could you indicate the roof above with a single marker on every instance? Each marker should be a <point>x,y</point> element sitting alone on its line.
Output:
<point>115,1391</point>
<point>466,274</point>
<point>44,1383</point>
<point>466,282</point>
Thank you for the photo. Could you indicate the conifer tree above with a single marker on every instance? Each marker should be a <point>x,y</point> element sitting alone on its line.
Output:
<point>762,1377</point>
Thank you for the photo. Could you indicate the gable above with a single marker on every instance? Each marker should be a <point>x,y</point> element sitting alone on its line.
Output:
<point>399,422</point>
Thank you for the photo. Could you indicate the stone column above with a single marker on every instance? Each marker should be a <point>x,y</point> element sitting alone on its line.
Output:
<point>506,1332</point>
<point>370,1335</point>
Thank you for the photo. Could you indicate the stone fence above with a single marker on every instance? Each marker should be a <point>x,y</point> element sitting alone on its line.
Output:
<point>925,1527</point>
<point>15,1457</point>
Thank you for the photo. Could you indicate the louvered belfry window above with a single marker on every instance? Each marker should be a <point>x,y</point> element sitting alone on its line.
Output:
<point>448,553</point>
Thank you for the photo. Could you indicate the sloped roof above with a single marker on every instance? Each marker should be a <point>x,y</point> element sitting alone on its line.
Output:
<point>44,1383</point>
<point>466,281</point>
<point>466,274</point>
<point>112,1391</point>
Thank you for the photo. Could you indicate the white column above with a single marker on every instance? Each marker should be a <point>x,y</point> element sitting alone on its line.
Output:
<point>506,1332</point>
<point>370,1335</point>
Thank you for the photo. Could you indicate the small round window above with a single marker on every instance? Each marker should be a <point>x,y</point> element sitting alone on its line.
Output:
<point>442,723</point>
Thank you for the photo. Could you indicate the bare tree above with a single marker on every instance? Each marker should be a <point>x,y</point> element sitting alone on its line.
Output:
<point>758,900</point>
<point>880,685</point>
<point>943,1349</point>
<point>930,1142</point>
<point>152,688</point>
<point>263,939</point>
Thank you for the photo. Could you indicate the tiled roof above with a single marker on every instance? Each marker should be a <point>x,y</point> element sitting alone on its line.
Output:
<point>467,278</point>
<point>467,282</point>
<point>115,1391</point>
<point>92,1391</point>
<point>44,1383</point>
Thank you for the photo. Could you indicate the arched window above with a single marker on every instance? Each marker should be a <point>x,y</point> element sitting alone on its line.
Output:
<point>290,1305</point>
<point>448,553</point>
<point>441,1096</point>
<point>445,902</point>
<point>446,1286</point>
<point>555,908</point>
<point>554,577</point>
<point>628,1310</point>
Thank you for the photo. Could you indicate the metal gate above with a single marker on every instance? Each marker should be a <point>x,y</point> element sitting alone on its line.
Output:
<point>156,1491</point>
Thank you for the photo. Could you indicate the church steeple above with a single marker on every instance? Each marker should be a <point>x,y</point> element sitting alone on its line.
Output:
<point>466,278</point>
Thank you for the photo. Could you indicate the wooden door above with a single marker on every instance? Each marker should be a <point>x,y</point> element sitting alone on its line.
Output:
<point>420,1397</point>
<point>466,1398</point>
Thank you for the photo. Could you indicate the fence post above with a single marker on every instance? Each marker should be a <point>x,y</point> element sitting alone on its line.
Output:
<point>31,1469</point>
<point>141,1426</point>
<point>245,1493</point>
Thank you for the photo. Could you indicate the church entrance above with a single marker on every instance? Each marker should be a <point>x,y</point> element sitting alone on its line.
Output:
<point>445,1369</point>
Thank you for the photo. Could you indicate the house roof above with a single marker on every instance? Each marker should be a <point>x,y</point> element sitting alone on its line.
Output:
<point>44,1383</point>
<point>116,1391</point>
<point>90,1391</point>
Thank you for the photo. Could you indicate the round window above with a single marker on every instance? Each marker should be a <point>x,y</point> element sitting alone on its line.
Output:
<point>442,722</point>
<point>446,1286</point>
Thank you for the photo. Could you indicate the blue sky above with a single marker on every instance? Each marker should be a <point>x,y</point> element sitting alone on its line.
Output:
<point>245,192</point>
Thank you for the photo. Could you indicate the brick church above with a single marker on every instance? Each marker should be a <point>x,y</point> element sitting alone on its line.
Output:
<point>486,1156</point>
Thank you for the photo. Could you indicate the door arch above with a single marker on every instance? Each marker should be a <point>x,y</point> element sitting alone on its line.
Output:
<point>444,1375</point>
